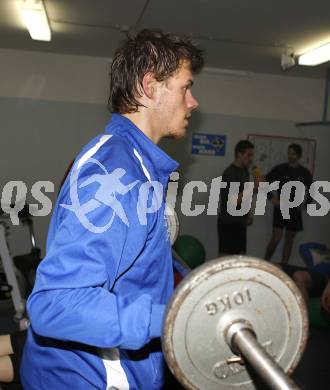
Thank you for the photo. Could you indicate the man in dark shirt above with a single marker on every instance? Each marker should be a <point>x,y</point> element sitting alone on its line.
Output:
<point>290,171</point>
<point>232,229</point>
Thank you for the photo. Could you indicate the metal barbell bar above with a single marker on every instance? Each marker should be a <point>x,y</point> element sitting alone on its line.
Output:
<point>242,339</point>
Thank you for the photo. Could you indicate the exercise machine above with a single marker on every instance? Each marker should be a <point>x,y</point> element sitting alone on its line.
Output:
<point>19,271</point>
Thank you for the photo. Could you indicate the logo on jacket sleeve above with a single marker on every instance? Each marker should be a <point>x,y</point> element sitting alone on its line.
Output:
<point>109,186</point>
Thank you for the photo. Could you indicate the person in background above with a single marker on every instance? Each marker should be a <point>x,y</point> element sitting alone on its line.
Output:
<point>232,229</point>
<point>11,350</point>
<point>290,171</point>
<point>314,281</point>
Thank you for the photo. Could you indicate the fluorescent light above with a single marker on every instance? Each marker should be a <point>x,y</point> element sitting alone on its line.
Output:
<point>315,56</point>
<point>35,19</point>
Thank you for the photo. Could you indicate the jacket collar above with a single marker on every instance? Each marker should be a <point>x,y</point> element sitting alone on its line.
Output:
<point>154,158</point>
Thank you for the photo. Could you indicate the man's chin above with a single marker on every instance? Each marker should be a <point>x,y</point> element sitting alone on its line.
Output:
<point>177,134</point>
<point>180,134</point>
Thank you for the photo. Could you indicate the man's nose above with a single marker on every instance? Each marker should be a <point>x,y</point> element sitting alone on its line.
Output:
<point>192,103</point>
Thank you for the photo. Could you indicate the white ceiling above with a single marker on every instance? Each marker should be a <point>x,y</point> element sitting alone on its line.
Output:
<point>235,34</point>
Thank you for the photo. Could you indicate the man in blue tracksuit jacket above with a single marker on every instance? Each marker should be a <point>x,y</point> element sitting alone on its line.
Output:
<point>100,295</point>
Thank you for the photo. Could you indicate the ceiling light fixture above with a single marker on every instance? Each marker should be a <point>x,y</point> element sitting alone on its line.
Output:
<point>315,56</point>
<point>35,19</point>
<point>287,61</point>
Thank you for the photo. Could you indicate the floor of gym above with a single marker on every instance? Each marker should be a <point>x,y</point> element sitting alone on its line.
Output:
<point>313,372</point>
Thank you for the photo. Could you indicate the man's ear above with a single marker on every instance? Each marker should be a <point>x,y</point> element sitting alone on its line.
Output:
<point>149,84</point>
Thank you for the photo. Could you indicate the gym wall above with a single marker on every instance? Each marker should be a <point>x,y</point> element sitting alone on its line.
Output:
<point>52,104</point>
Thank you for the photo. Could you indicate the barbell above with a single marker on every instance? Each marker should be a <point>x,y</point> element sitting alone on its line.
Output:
<point>234,323</point>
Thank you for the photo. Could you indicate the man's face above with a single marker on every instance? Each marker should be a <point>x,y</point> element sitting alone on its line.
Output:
<point>293,157</point>
<point>175,103</point>
<point>247,158</point>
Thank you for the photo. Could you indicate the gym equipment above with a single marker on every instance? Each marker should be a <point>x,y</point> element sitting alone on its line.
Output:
<point>317,316</point>
<point>180,268</point>
<point>233,321</point>
<point>20,271</point>
<point>172,222</point>
<point>5,290</point>
<point>190,250</point>
<point>28,263</point>
<point>10,272</point>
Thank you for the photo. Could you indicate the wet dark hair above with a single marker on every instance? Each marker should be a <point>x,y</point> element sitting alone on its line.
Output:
<point>148,51</point>
<point>296,148</point>
<point>243,146</point>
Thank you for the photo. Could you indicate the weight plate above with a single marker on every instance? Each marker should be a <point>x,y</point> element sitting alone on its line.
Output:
<point>172,222</point>
<point>217,294</point>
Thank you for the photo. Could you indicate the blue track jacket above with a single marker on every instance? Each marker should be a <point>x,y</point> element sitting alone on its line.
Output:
<point>98,303</point>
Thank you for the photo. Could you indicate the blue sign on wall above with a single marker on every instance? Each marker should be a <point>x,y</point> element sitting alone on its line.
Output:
<point>208,144</point>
